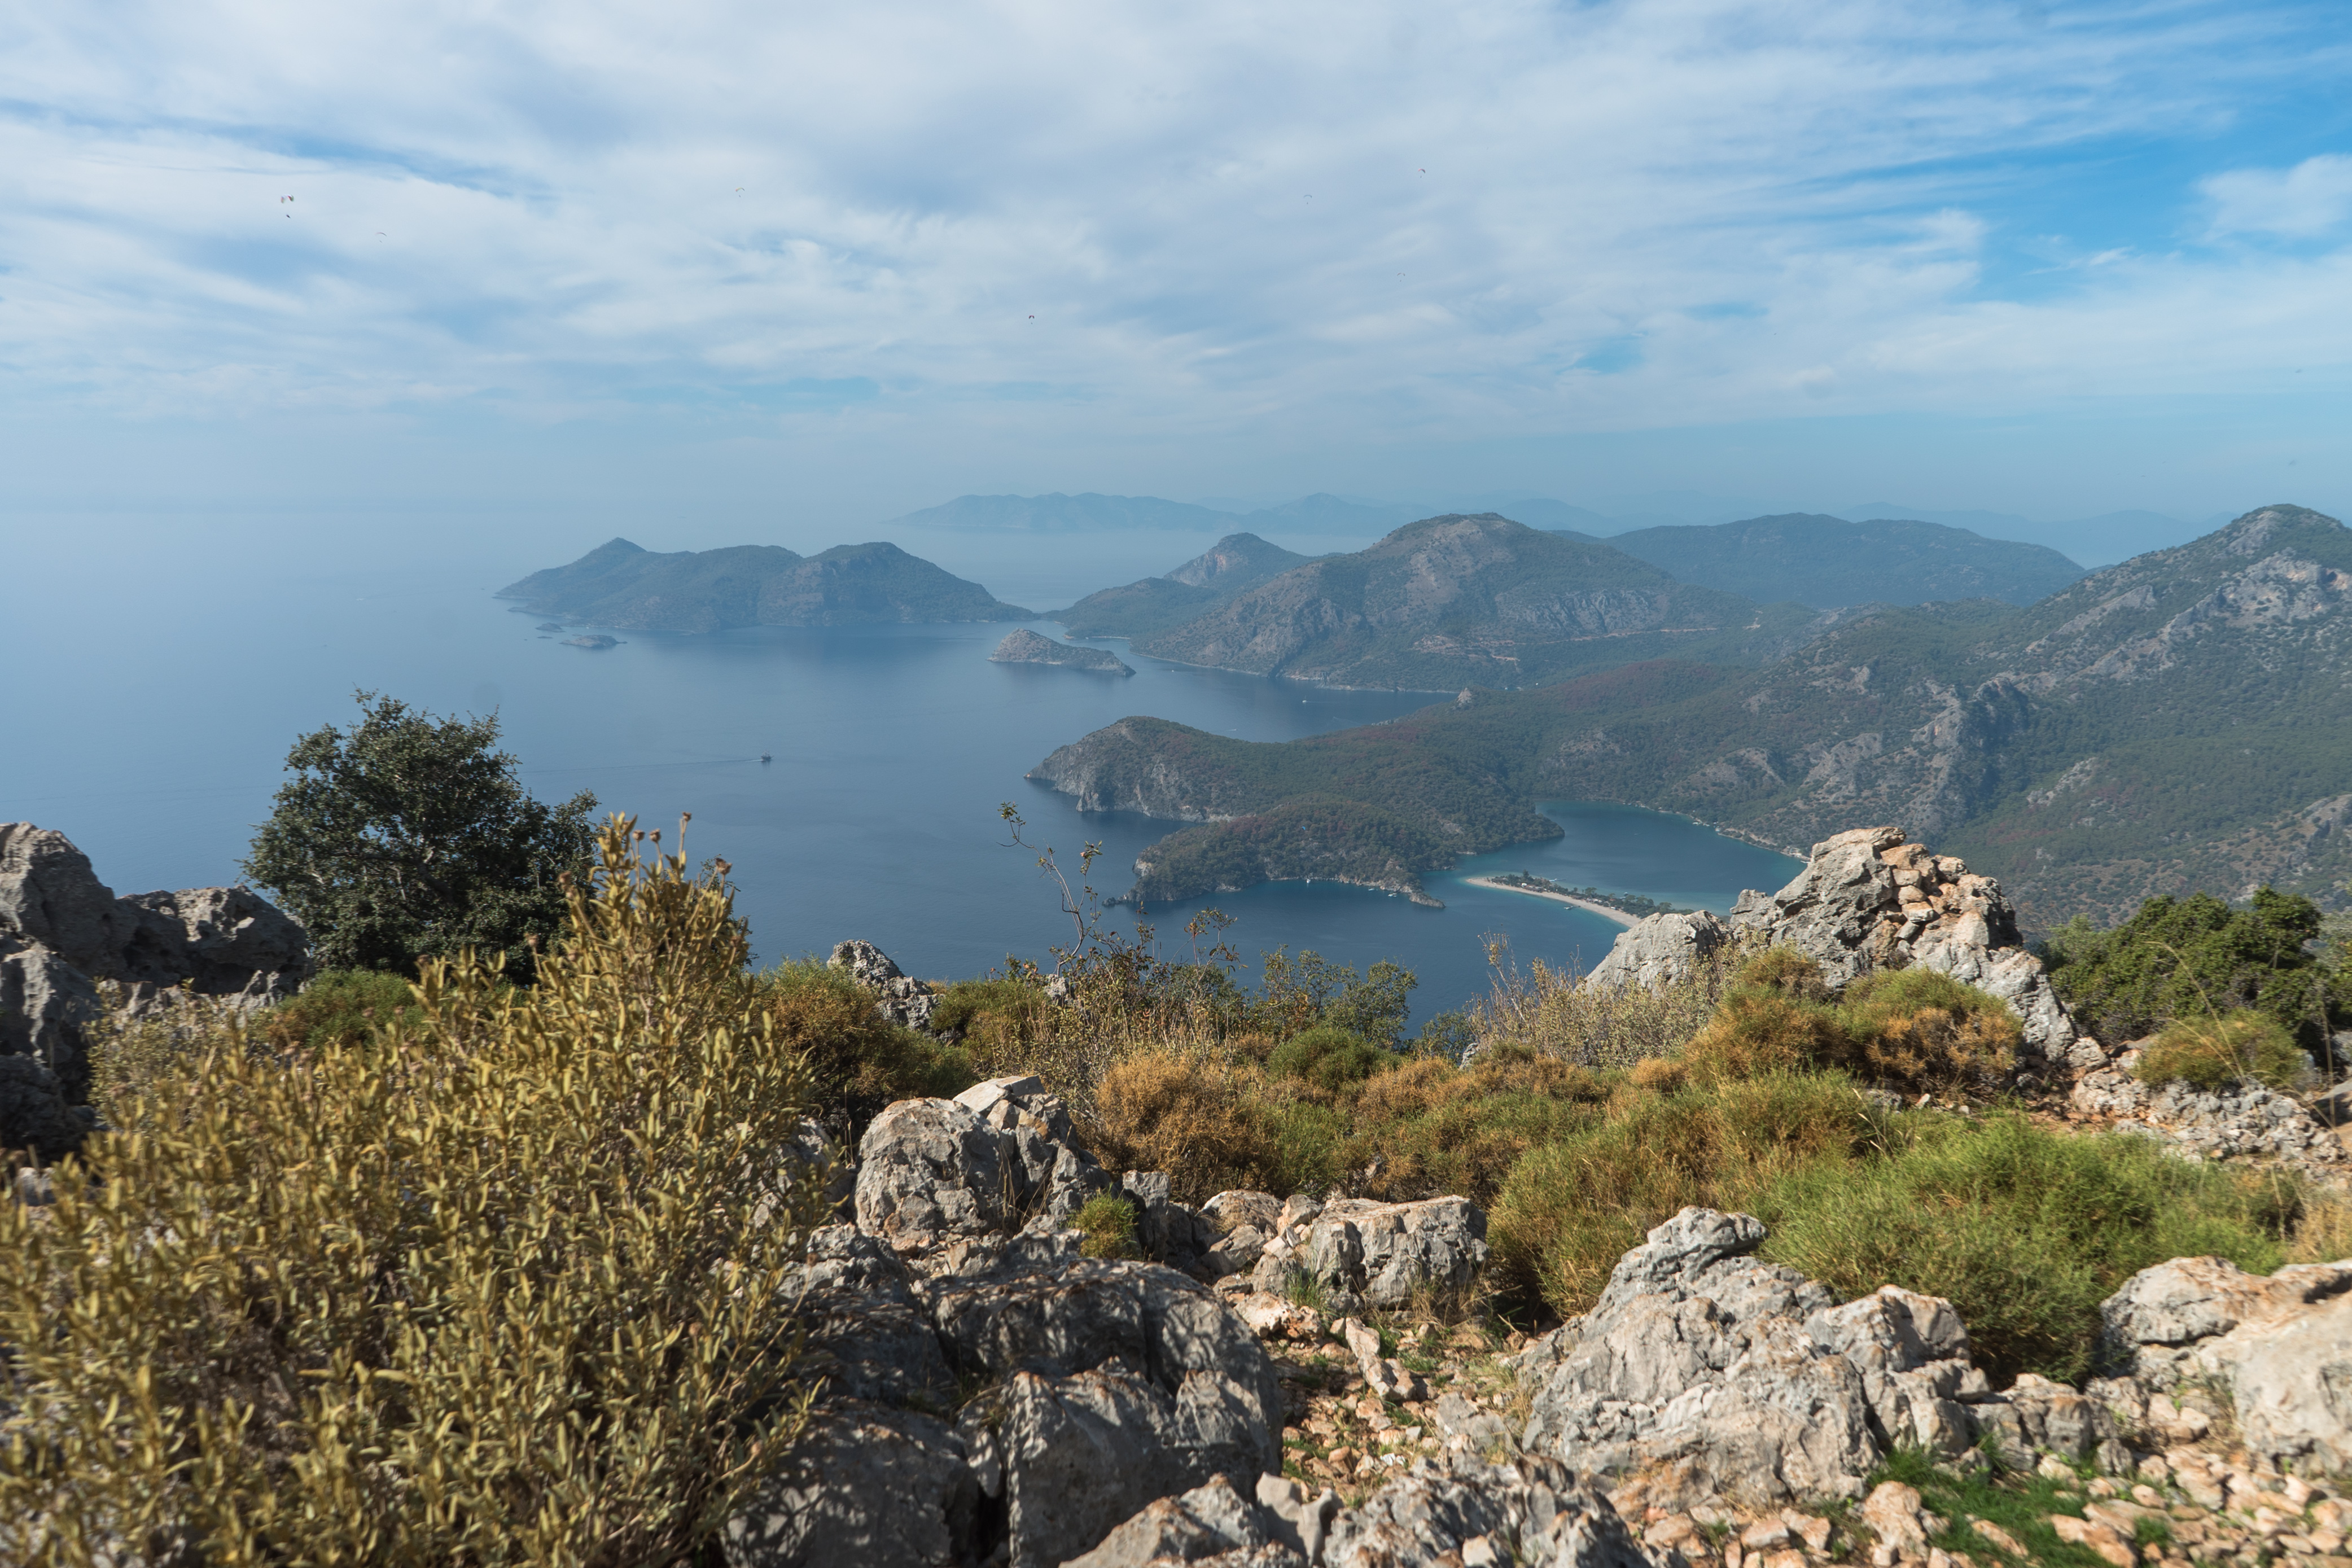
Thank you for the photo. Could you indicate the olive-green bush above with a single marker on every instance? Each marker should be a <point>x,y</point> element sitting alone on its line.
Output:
<point>2212,1052</point>
<point>509,1282</point>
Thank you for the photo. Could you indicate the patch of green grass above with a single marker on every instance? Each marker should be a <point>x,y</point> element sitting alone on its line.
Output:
<point>1330,1057</point>
<point>1108,1222</point>
<point>2020,1503</point>
<point>340,1007</point>
<point>2024,1229</point>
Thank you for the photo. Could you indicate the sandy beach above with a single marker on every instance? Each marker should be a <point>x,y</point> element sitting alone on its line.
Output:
<point>1603,910</point>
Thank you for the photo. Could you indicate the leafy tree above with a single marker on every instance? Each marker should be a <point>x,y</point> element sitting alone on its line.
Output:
<point>2195,958</point>
<point>408,835</point>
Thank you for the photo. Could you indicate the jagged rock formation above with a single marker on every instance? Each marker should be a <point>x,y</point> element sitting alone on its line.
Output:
<point>899,998</point>
<point>1659,948</point>
<point>1025,646</point>
<point>1373,1257</point>
<point>1717,1374</point>
<point>62,931</point>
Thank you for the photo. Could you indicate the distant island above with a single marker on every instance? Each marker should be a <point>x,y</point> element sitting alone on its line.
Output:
<point>1157,604</point>
<point>1025,646</point>
<point>591,639</point>
<point>623,586</point>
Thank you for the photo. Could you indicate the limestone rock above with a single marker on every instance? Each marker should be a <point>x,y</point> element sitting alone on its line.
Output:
<point>1373,1255</point>
<point>871,1336</point>
<point>1243,1223</point>
<point>1694,1359</point>
<point>1912,1352</point>
<point>2244,1118</point>
<point>34,1113</point>
<point>928,1173</point>
<point>2274,1354</point>
<point>50,894</point>
<point>1868,900</point>
<point>905,1002</point>
<point>866,1484</point>
<point>223,941</point>
<point>47,1006</point>
<point>1461,1509</point>
<point>1070,1457</point>
<point>1658,948</point>
<point>1204,1522</point>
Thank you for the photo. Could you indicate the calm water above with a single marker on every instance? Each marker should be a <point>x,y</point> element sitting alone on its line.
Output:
<point>162,667</point>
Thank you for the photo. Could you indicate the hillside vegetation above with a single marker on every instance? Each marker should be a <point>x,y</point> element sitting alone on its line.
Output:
<point>1826,562</point>
<point>2182,719</point>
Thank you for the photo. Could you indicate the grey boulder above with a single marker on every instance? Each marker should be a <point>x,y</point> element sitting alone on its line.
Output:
<point>866,1484</point>
<point>1659,949</point>
<point>1460,1509</point>
<point>2197,1339</point>
<point>1371,1255</point>
<point>901,1000</point>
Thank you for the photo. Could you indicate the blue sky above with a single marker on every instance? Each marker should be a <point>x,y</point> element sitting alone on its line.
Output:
<point>801,268</point>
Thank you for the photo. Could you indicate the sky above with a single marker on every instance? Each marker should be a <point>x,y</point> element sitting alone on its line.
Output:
<point>717,271</point>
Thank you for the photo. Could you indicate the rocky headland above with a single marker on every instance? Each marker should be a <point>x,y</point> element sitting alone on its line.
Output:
<point>1025,646</point>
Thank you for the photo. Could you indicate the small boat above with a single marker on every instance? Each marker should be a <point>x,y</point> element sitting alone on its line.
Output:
<point>766,758</point>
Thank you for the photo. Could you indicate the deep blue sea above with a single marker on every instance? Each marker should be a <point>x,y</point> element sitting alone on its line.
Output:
<point>160,668</point>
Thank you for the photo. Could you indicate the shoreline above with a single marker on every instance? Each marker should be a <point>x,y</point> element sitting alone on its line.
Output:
<point>1603,910</point>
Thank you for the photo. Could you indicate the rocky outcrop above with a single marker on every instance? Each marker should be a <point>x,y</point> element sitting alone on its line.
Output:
<point>1447,1511</point>
<point>2241,1119</point>
<point>63,932</point>
<point>2196,1341</point>
<point>1373,1257</point>
<point>1660,948</point>
<point>1720,1375</point>
<point>1870,899</point>
<point>904,1001</point>
<point>1088,1388</point>
<point>1025,646</point>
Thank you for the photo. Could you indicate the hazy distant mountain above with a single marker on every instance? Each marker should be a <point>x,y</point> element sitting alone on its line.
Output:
<point>2095,541</point>
<point>623,585</point>
<point>1449,600</point>
<point>1058,513</point>
<point>1160,604</point>
<point>1557,517</point>
<point>1826,562</point>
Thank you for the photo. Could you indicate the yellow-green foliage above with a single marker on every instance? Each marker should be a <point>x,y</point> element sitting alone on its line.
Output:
<point>1328,1058</point>
<point>1922,1029</point>
<point>1545,1009</point>
<point>1108,1222</point>
<point>1912,1028</point>
<point>861,1061</point>
<point>2208,1053</point>
<point>508,1283</point>
<point>1573,1206</point>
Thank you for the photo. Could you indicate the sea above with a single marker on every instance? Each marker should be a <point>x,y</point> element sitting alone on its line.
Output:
<point>162,664</point>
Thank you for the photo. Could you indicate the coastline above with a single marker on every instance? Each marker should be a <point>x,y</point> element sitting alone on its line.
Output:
<point>1603,910</point>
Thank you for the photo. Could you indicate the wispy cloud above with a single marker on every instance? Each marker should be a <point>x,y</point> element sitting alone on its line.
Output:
<point>1150,222</point>
<point>2313,198</point>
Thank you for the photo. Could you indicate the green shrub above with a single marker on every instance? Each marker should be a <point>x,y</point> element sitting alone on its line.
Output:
<point>1785,970</point>
<point>860,1060</point>
<point>2209,1053</point>
<point>1759,1032</point>
<point>1330,1057</point>
<point>338,1007</point>
<point>2025,1231</point>
<point>1427,1129</point>
<point>1922,1029</point>
<point>1108,1221</point>
<point>511,1282</point>
<point>1572,1207</point>
<point>2190,958</point>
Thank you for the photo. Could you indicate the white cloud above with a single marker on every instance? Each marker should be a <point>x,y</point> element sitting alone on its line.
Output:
<point>2301,203</point>
<point>1152,224</point>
